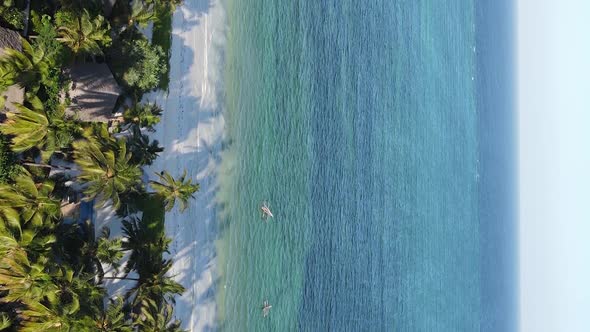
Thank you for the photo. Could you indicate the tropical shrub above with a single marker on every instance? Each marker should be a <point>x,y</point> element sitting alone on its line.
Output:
<point>136,63</point>
<point>7,160</point>
<point>54,55</point>
<point>11,15</point>
<point>46,39</point>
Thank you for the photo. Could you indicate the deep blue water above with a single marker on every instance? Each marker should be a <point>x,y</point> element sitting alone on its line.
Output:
<point>382,134</point>
<point>498,199</point>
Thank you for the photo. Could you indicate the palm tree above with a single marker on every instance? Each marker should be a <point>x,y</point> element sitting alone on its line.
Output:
<point>9,216</point>
<point>83,34</point>
<point>5,321</point>
<point>21,279</point>
<point>147,248</point>
<point>171,190</point>
<point>144,115</point>
<point>54,318</point>
<point>144,247</point>
<point>28,68</point>
<point>76,291</point>
<point>131,202</point>
<point>35,127</point>
<point>69,307</point>
<point>38,317</point>
<point>157,286</point>
<point>37,242</point>
<point>112,319</point>
<point>106,170</point>
<point>7,78</point>
<point>144,152</point>
<point>141,13</point>
<point>29,211</point>
<point>101,250</point>
<point>33,201</point>
<point>157,318</point>
<point>29,126</point>
<point>98,133</point>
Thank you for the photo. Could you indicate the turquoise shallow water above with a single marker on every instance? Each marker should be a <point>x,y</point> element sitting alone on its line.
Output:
<point>381,134</point>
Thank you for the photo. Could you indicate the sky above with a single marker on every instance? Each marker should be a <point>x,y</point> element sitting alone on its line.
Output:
<point>553,57</point>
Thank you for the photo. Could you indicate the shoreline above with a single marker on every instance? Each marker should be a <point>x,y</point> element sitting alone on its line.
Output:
<point>191,131</point>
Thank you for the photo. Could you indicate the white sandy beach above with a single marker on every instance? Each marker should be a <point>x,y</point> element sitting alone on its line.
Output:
<point>191,131</point>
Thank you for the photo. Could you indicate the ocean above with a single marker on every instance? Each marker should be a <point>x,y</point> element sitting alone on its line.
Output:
<point>382,135</point>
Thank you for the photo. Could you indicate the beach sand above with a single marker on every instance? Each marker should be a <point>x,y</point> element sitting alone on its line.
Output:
<point>191,131</point>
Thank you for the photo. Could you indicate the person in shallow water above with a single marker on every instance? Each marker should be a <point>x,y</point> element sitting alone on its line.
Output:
<point>266,308</point>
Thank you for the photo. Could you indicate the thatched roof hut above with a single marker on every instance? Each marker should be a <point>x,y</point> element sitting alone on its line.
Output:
<point>94,92</point>
<point>9,39</point>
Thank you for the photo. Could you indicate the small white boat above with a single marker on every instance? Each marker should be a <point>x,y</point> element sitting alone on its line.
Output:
<point>266,308</point>
<point>266,211</point>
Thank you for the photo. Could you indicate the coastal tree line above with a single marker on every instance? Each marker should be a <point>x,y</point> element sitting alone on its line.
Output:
<point>51,270</point>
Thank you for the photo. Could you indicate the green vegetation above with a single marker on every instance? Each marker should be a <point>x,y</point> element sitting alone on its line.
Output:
<point>7,160</point>
<point>170,189</point>
<point>143,115</point>
<point>153,215</point>
<point>55,56</point>
<point>143,151</point>
<point>52,271</point>
<point>83,34</point>
<point>106,169</point>
<point>37,127</point>
<point>47,38</point>
<point>11,14</point>
<point>137,63</point>
<point>28,68</point>
<point>141,13</point>
<point>162,36</point>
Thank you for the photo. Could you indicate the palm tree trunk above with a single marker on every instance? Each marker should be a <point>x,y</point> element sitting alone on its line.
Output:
<point>63,168</point>
<point>121,278</point>
<point>26,18</point>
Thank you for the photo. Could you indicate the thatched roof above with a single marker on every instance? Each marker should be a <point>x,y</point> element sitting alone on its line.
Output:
<point>11,39</point>
<point>94,92</point>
